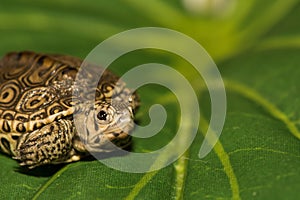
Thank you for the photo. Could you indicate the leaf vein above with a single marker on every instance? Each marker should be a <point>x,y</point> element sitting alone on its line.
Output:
<point>266,104</point>
<point>181,171</point>
<point>53,178</point>
<point>262,149</point>
<point>225,160</point>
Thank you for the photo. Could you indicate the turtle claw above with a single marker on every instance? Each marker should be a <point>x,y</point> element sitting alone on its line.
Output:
<point>17,157</point>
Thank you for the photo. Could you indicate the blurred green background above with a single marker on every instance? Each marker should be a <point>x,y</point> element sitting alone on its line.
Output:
<point>75,27</point>
<point>254,43</point>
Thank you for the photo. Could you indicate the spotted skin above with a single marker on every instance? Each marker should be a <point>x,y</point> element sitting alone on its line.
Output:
<point>37,104</point>
<point>53,141</point>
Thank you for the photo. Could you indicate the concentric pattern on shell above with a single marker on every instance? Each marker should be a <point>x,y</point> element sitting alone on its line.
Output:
<point>37,89</point>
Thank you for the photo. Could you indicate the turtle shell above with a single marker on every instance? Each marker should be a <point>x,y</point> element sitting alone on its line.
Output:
<point>37,89</point>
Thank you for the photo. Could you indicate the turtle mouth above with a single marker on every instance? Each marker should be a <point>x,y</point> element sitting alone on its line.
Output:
<point>100,144</point>
<point>107,145</point>
<point>116,136</point>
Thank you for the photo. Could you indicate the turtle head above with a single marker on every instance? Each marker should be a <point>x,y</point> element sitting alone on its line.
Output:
<point>109,122</point>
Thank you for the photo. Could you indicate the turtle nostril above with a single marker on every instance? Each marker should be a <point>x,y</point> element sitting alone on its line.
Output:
<point>115,134</point>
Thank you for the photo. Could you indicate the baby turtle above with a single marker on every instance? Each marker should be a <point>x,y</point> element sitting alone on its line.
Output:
<point>38,97</point>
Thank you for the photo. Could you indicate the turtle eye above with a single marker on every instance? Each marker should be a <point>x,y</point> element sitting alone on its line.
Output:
<point>105,114</point>
<point>102,115</point>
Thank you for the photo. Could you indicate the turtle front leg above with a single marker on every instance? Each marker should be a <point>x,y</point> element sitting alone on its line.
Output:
<point>49,145</point>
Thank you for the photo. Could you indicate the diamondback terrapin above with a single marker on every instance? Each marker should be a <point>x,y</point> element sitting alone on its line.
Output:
<point>38,95</point>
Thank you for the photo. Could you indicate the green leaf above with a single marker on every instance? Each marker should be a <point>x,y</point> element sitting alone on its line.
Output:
<point>256,48</point>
